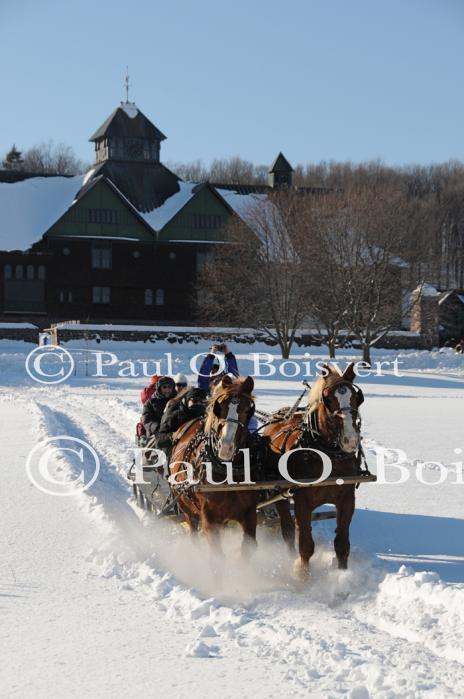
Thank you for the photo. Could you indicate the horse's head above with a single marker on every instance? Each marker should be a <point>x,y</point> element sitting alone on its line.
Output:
<point>230,409</point>
<point>338,402</point>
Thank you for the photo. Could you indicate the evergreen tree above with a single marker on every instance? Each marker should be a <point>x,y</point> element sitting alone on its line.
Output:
<point>13,159</point>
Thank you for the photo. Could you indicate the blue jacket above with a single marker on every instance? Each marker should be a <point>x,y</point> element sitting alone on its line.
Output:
<point>204,379</point>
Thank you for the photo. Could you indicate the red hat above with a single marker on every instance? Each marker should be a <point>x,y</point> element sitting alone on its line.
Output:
<point>154,379</point>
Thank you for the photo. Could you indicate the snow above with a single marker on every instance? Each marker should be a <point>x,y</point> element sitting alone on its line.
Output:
<point>194,240</point>
<point>242,204</point>
<point>427,290</point>
<point>154,328</point>
<point>21,326</point>
<point>255,210</point>
<point>88,175</point>
<point>29,208</point>
<point>159,217</point>
<point>106,237</point>
<point>99,602</point>
<point>130,108</point>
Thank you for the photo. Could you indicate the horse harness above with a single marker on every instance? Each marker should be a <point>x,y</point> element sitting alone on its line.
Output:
<point>310,436</point>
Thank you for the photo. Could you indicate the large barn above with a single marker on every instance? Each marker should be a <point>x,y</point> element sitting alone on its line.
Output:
<point>123,242</point>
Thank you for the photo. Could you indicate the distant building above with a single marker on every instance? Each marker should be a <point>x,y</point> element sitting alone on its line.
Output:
<point>438,315</point>
<point>124,242</point>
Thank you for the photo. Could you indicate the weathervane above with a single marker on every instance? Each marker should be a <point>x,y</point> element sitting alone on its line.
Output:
<point>126,81</point>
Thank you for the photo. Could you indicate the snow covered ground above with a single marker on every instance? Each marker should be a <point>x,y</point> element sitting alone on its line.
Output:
<point>97,602</point>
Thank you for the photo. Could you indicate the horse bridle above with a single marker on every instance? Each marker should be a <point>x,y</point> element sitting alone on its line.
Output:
<point>310,421</point>
<point>234,401</point>
<point>212,434</point>
<point>349,385</point>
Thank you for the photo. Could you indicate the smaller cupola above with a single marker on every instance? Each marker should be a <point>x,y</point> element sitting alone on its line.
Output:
<point>280,174</point>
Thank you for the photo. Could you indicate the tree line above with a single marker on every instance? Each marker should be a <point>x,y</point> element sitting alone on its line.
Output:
<point>342,260</point>
<point>45,159</point>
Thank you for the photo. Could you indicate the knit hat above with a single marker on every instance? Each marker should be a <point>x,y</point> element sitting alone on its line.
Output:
<point>165,381</point>
<point>180,378</point>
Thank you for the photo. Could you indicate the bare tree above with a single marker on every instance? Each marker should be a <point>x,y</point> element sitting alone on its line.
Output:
<point>371,226</point>
<point>257,278</point>
<point>195,171</point>
<point>234,170</point>
<point>52,159</point>
<point>324,275</point>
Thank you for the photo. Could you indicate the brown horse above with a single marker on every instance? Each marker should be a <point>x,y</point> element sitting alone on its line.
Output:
<point>330,424</point>
<point>216,439</point>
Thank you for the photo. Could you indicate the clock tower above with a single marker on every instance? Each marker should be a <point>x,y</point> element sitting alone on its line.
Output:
<point>127,135</point>
<point>127,152</point>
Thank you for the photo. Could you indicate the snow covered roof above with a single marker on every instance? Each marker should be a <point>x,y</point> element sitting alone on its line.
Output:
<point>243,204</point>
<point>30,207</point>
<point>427,290</point>
<point>159,217</point>
<point>446,294</point>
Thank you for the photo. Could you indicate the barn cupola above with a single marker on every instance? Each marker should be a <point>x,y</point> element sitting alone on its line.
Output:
<point>280,174</point>
<point>127,135</point>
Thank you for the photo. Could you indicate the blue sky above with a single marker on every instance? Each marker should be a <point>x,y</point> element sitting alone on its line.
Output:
<point>317,79</point>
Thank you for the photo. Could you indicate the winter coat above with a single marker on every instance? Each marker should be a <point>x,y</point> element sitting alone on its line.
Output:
<point>204,379</point>
<point>147,393</point>
<point>153,412</point>
<point>172,419</point>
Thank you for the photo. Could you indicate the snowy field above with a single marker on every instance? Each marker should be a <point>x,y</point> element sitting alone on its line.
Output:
<point>98,602</point>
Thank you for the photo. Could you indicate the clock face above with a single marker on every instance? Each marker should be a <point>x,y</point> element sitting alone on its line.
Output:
<point>135,150</point>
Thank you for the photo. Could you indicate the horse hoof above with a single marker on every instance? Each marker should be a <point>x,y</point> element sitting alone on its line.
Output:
<point>301,570</point>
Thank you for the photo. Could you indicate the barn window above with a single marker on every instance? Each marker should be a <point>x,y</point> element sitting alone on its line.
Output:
<point>7,271</point>
<point>30,272</point>
<point>159,297</point>
<point>101,256</point>
<point>41,273</point>
<point>148,297</point>
<point>65,296</point>
<point>19,272</point>
<point>101,294</point>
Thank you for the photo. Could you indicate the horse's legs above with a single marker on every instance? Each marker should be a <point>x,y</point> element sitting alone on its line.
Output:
<point>345,509</point>
<point>303,513</point>
<point>191,516</point>
<point>193,522</point>
<point>287,525</point>
<point>248,524</point>
<point>212,531</point>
